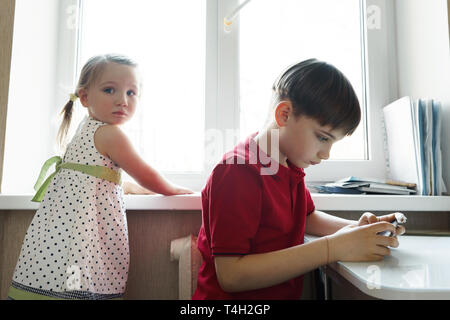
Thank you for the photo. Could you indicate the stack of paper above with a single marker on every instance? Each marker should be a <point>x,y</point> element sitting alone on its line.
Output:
<point>354,185</point>
<point>413,131</point>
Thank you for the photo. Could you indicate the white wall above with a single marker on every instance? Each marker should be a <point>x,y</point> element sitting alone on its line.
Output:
<point>28,128</point>
<point>424,59</point>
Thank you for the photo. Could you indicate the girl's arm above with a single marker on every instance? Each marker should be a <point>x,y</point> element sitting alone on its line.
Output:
<point>113,143</point>
<point>133,188</point>
<point>255,271</point>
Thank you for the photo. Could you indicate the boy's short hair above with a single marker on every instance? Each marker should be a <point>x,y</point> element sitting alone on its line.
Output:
<point>320,91</point>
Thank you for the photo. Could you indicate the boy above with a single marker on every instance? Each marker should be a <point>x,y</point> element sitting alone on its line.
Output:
<point>256,207</point>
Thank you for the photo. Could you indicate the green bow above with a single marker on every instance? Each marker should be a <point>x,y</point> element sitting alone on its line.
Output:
<point>96,171</point>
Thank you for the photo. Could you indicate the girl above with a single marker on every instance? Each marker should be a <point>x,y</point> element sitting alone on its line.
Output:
<point>77,244</point>
<point>254,219</point>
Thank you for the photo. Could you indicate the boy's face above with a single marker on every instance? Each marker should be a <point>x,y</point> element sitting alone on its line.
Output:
<point>113,97</point>
<point>304,141</point>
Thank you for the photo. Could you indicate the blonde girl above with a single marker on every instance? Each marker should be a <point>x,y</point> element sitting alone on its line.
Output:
<point>76,246</point>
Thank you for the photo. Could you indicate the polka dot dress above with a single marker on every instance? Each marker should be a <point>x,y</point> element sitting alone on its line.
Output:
<point>77,243</point>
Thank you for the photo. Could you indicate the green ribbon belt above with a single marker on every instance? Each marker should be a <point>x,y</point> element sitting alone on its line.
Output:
<point>96,171</point>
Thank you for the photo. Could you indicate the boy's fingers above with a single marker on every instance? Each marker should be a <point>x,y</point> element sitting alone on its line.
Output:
<point>387,218</point>
<point>387,241</point>
<point>371,218</point>
<point>382,250</point>
<point>390,218</point>
<point>378,257</point>
<point>382,226</point>
<point>400,230</point>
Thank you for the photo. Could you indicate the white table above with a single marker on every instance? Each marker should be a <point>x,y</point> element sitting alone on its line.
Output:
<point>418,269</point>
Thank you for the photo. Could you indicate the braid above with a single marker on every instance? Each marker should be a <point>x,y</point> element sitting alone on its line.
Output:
<point>65,124</point>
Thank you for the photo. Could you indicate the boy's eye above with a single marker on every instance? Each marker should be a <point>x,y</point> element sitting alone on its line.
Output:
<point>108,90</point>
<point>322,138</point>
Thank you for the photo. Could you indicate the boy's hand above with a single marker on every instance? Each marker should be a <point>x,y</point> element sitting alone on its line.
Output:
<point>361,243</point>
<point>369,218</point>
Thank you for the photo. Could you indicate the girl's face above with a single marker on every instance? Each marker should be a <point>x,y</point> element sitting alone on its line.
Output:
<point>113,97</point>
<point>305,142</point>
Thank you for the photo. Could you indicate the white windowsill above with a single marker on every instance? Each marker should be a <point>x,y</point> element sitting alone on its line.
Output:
<point>325,202</point>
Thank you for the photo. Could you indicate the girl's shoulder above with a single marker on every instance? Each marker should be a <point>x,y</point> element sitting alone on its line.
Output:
<point>109,131</point>
<point>108,135</point>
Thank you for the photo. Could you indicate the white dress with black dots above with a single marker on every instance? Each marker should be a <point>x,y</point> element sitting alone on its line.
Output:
<point>77,243</point>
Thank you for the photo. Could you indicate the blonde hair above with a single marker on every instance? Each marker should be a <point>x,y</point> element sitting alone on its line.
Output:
<point>89,74</point>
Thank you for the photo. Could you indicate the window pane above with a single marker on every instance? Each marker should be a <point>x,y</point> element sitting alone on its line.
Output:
<point>276,34</point>
<point>31,119</point>
<point>167,38</point>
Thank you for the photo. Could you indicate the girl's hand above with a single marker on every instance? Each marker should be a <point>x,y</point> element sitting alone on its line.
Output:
<point>369,218</point>
<point>181,190</point>
<point>132,188</point>
<point>361,243</point>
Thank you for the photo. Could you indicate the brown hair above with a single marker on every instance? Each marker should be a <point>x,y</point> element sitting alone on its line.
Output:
<point>320,91</point>
<point>89,74</point>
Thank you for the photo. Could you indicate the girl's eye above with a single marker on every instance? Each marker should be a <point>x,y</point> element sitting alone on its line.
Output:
<point>108,90</point>
<point>131,93</point>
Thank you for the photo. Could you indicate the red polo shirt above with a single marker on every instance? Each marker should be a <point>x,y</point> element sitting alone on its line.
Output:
<point>247,212</point>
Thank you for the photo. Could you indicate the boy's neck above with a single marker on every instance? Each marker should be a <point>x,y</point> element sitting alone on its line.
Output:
<point>264,141</point>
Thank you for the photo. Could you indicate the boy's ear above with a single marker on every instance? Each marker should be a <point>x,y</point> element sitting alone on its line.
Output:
<point>282,113</point>
<point>83,95</point>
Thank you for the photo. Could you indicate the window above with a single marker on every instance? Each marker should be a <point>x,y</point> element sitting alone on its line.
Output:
<point>276,34</point>
<point>167,39</point>
<point>260,46</point>
<point>204,88</point>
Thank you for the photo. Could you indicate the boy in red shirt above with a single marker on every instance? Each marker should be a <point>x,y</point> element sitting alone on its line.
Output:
<point>256,207</point>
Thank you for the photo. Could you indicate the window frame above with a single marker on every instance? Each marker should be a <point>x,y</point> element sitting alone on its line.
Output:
<point>380,89</point>
<point>222,86</point>
<point>376,94</point>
